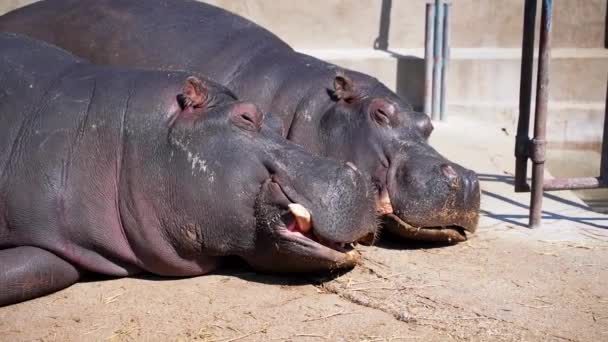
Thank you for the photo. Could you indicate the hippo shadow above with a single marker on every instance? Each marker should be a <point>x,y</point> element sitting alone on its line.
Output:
<point>236,267</point>
<point>390,241</point>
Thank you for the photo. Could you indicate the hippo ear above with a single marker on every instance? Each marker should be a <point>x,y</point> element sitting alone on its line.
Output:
<point>343,88</point>
<point>194,93</point>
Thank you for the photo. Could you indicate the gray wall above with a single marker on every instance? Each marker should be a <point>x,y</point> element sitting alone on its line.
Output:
<point>322,24</point>
<point>484,74</point>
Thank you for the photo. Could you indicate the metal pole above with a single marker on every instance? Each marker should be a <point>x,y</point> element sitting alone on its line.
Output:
<point>429,33</point>
<point>438,40</point>
<point>525,94</point>
<point>540,117</point>
<point>606,29</point>
<point>381,43</point>
<point>446,59</point>
<point>604,162</point>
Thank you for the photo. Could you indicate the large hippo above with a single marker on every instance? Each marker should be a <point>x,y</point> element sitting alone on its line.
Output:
<point>119,171</point>
<point>329,110</point>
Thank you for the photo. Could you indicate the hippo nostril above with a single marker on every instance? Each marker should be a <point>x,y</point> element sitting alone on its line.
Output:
<point>471,186</point>
<point>449,172</point>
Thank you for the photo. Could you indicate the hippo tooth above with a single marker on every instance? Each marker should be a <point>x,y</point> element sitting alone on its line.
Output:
<point>302,216</point>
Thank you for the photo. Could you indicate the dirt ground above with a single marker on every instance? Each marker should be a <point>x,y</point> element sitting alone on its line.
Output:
<point>507,283</point>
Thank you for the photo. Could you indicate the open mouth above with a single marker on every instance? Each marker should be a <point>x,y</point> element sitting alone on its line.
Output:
<point>295,224</point>
<point>444,234</point>
<point>298,223</point>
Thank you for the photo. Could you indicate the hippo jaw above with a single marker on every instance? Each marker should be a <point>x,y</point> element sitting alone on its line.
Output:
<point>342,254</point>
<point>443,234</point>
<point>289,239</point>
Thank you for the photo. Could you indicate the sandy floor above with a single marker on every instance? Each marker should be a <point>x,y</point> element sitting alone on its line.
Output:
<point>506,283</point>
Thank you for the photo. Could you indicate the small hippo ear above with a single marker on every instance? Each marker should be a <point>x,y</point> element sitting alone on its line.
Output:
<point>343,88</point>
<point>194,93</point>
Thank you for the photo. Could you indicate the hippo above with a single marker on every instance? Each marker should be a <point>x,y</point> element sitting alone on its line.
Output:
<point>120,171</point>
<point>330,111</point>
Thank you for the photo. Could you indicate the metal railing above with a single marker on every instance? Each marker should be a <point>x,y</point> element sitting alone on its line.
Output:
<point>437,58</point>
<point>535,148</point>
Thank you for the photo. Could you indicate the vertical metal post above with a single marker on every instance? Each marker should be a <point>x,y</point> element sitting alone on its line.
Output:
<point>606,28</point>
<point>438,46</point>
<point>381,42</point>
<point>604,162</point>
<point>525,95</point>
<point>540,117</point>
<point>429,33</point>
<point>446,59</point>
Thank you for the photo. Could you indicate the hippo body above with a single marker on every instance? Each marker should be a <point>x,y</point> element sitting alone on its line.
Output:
<point>329,110</point>
<point>119,171</point>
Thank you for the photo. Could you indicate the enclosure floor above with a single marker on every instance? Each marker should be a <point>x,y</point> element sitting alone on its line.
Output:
<point>505,283</point>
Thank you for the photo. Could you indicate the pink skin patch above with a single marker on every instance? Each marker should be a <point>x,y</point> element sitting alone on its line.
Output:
<point>294,228</point>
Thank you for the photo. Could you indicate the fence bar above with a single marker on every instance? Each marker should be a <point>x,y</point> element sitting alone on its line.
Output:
<point>429,33</point>
<point>522,139</point>
<point>537,147</point>
<point>604,162</point>
<point>606,30</point>
<point>578,183</point>
<point>438,52</point>
<point>446,59</point>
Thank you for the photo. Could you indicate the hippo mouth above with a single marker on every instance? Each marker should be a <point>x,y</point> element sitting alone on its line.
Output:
<point>443,234</point>
<point>295,227</point>
<point>297,223</point>
<point>395,225</point>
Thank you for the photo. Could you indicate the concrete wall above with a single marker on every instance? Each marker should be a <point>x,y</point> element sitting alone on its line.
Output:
<point>322,24</point>
<point>484,73</point>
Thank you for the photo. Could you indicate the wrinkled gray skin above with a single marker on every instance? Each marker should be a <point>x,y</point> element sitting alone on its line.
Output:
<point>329,110</point>
<point>121,171</point>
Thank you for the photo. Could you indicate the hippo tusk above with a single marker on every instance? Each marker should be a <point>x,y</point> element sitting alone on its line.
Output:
<point>302,216</point>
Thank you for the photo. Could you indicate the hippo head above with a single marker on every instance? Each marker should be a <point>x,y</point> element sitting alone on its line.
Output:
<point>421,194</point>
<point>253,194</point>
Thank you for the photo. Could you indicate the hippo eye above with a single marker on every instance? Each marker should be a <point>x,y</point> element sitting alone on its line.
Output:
<point>247,122</point>
<point>247,117</point>
<point>382,111</point>
<point>382,116</point>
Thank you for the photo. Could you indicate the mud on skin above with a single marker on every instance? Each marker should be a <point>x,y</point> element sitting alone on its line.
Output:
<point>329,110</point>
<point>122,171</point>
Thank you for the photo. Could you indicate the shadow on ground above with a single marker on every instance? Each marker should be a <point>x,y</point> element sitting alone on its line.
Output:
<point>236,267</point>
<point>591,221</point>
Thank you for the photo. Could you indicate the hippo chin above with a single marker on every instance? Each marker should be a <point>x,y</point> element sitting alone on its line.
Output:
<point>120,171</point>
<point>329,110</point>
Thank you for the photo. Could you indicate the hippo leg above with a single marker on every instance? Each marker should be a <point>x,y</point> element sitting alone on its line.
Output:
<point>30,272</point>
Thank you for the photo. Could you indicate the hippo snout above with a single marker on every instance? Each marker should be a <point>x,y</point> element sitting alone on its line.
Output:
<point>351,200</point>
<point>432,198</point>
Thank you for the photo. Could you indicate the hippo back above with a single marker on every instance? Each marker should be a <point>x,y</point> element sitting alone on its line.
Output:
<point>147,33</point>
